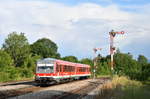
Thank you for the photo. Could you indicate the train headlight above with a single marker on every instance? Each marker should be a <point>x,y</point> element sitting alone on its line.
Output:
<point>37,77</point>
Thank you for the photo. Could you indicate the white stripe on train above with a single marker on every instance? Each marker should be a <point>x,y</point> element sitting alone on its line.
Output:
<point>68,76</point>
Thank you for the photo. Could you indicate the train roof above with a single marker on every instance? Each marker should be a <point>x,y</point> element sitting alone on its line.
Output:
<point>52,60</point>
<point>46,60</point>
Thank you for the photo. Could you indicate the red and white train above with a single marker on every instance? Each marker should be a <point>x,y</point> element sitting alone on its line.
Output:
<point>51,70</point>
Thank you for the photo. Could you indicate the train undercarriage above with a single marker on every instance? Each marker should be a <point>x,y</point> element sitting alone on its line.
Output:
<point>51,80</point>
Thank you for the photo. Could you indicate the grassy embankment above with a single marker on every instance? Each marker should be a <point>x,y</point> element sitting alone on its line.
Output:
<point>124,88</point>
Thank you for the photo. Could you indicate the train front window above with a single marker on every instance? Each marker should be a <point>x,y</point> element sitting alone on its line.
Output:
<point>45,69</point>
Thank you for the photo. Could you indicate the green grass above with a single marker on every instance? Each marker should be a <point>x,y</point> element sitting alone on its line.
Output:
<point>14,74</point>
<point>6,77</point>
<point>124,88</point>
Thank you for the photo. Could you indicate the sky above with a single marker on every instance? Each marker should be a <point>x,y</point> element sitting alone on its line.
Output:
<point>78,26</point>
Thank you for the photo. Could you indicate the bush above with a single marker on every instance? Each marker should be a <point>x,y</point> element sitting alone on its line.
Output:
<point>124,88</point>
<point>5,59</point>
<point>26,73</point>
<point>4,76</point>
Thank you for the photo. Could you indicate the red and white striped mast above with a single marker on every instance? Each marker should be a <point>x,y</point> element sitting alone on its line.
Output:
<point>112,48</point>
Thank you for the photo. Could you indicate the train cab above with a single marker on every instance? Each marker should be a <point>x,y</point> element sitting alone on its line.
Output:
<point>45,70</point>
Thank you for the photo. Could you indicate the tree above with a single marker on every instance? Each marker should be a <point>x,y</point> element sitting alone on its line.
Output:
<point>45,48</point>
<point>70,58</point>
<point>5,59</point>
<point>18,47</point>
<point>87,61</point>
<point>145,67</point>
<point>142,60</point>
<point>146,72</point>
<point>126,65</point>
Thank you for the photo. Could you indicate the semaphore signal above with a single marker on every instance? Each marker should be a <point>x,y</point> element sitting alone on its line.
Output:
<point>95,59</point>
<point>112,48</point>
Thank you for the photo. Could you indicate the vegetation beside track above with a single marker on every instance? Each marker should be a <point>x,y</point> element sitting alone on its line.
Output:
<point>18,58</point>
<point>124,88</point>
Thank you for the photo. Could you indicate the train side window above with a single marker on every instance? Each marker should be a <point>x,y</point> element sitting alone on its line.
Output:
<point>64,68</point>
<point>68,68</point>
<point>80,69</point>
<point>83,69</point>
<point>57,68</point>
<point>73,69</point>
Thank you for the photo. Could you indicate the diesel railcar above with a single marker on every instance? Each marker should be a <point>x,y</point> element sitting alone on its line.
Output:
<point>51,70</point>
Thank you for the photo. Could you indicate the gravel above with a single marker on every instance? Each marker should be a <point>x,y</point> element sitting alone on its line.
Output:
<point>30,91</point>
<point>49,92</point>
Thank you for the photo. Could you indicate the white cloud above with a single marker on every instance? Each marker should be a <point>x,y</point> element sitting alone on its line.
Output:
<point>76,29</point>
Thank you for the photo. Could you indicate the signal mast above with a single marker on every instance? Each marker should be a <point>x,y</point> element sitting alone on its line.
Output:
<point>112,48</point>
<point>95,59</point>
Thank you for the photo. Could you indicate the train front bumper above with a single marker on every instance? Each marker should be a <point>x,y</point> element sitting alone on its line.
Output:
<point>43,79</point>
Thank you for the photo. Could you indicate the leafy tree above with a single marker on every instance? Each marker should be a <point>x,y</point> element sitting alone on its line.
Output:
<point>145,67</point>
<point>126,65</point>
<point>70,58</point>
<point>103,67</point>
<point>18,47</point>
<point>146,72</point>
<point>45,48</point>
<point>5,59</point>
<point>30,62</point>
<point>142,60</point>
<point>87,61</point>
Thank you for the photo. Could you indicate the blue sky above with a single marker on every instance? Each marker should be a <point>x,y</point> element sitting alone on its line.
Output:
<point>77,26</point>
<point>102,2</point>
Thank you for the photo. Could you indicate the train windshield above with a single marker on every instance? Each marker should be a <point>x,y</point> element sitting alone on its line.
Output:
<point>45,65</point>
<point>45,69</point>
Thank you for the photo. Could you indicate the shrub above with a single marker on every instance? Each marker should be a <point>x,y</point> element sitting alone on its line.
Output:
<point>5,59</point>
<point>124,88</point>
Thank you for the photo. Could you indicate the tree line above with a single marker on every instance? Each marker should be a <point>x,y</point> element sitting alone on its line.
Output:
<point>18,59</point>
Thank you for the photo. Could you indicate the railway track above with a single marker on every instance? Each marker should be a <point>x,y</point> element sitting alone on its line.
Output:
<point>12,91</point>
<point>74,93</point>
<point>82,91</point>
<point>25,90</point>
<point>16,83</point>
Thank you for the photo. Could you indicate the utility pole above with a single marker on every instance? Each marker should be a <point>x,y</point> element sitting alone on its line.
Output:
<point>95,60</point>
<point>112,48</point>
